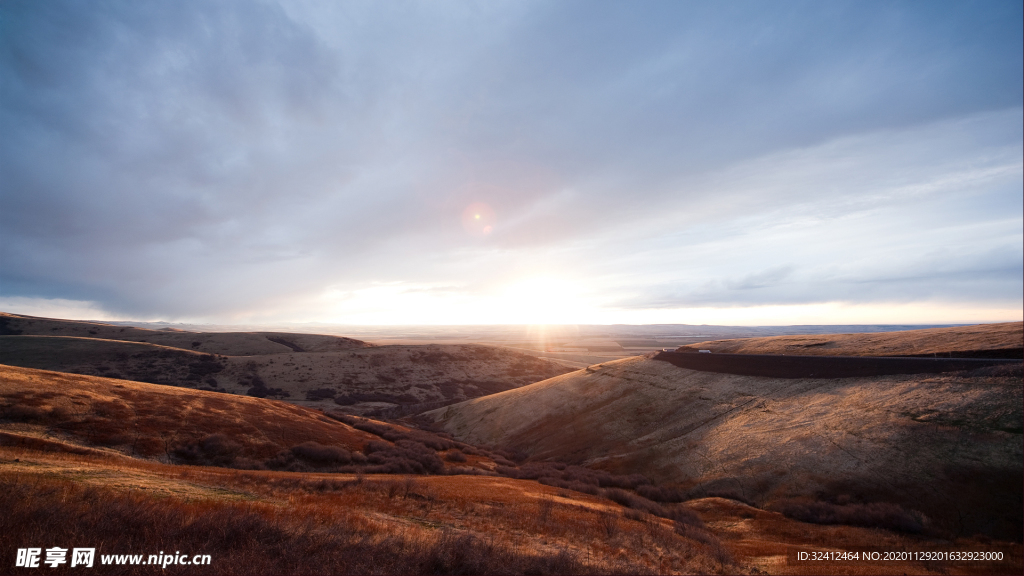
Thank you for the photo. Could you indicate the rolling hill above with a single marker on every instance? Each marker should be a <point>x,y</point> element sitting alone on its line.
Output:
<point>946,449</point>
<point>327,372</point>
<point>1004,340</point>
<point>222,343</point>
<point>139,466</point>
<point>265,487</point>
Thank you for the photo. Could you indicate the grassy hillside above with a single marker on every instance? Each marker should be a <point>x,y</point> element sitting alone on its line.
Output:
<point>982,340</point>
<point>226,343</point>
<point>119,461</point>
<point>43,408</point>
<point>88,461</point>
<point>141,468</point>
<point>319,371</point>
<point>944,450</point>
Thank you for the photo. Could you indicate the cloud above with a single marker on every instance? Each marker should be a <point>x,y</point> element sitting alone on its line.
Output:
<point>892,216</point>
<point>228,159</point>
<point>55,308</point>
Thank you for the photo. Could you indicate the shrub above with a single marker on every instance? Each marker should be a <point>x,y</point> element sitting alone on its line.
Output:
<point>661,493</point>
<point>455,456</point>
<point>318,453</point>
<point>727,493</point>
<point>265,392</point>
<point>207,365</point>
<point>513,455</point>
<point>635,515</point>
<point>871,515</point>
<point>468,471</point>
<point>320,394</point>
<point>581,487</point>
<point>392,434</point>
<point>610,524</point>
<point>631,500</point>
<point>471,450</point>
<point>616,481</point>
<point>684,516</point>
<point>214,450</point>
<point>404,457</point>
<point>259,388</point>
<point>350,398</point>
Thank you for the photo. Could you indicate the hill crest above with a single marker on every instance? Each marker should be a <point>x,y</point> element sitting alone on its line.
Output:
<point>1004,340</point>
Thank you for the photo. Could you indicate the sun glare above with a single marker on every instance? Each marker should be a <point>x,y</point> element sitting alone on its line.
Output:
<point>478,219</point>
<point>542,301</point>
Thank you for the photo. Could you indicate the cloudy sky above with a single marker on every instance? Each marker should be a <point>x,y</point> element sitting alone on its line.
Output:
<point>512,162</point>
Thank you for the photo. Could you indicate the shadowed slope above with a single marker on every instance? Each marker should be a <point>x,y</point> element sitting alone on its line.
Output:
<point>64,472</point>
<point>226,343</point>
<point>86,455</point>
<point>390,379</point>
<point>947,445</point>
<point>327,372</point>
<point>983,341</point>
<point>109,358</point>
<point>794,366</point>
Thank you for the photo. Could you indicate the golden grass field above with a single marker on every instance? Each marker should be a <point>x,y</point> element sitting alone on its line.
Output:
<point>89,439</point>
<point>126,502</point>
<point>732,465</point>
<point>946,447</point>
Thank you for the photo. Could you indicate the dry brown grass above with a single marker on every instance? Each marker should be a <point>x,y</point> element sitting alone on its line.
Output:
<point>252,538</point>
<point>153,421</point>
<point>1007,337</point>
<point>947,446</point>
<point>326,372</point>
<point>81,492</point>
<point>762,539</point>
<point>256,522</point>
<point>71,470</point>
<point>226,343</point>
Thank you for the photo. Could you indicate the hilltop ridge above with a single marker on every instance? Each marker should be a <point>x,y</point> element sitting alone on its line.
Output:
<point>1004,340</point>
<point>327,372</point>
<point>921,441</point>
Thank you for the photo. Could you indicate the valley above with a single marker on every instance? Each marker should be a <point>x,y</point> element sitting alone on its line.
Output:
<point>327,372</point>
<point>446,458</point>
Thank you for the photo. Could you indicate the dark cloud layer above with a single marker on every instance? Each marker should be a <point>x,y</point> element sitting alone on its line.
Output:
<point>203,159</point>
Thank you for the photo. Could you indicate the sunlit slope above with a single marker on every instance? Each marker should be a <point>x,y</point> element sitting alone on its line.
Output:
<point>98,450</point>
<point>948,444</point>
<point>991,340</point>
<point>41,408</point>
<point>227,343</point>
<point>117,459</point>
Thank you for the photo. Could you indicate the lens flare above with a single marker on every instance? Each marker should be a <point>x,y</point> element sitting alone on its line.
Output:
<point>478,219</point>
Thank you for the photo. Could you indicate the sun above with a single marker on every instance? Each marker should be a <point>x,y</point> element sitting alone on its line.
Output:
<point>478,219</point>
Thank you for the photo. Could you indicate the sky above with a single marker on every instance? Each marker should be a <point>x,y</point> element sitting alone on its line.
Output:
<point>523,162</point>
